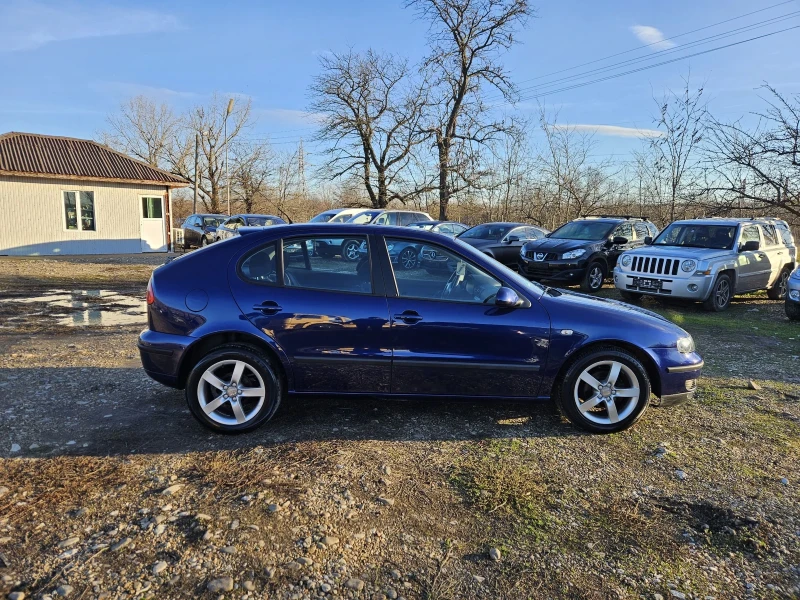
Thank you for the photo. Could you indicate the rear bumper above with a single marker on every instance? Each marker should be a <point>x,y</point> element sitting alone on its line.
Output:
<point>161,355</point>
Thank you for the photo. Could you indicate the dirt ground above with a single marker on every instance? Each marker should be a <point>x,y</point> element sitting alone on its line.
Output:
<point>109,488</point>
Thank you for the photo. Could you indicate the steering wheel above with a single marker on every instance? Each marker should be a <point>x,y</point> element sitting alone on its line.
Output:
<point>490,299</point>
<point>454,282</point>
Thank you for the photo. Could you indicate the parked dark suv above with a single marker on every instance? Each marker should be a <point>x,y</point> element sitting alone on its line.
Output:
<point>583,251</point>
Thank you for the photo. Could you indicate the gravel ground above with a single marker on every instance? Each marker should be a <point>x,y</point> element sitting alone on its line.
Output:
<point>109,489</point>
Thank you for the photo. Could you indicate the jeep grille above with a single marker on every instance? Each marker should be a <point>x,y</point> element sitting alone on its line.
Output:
<point>655,265</point>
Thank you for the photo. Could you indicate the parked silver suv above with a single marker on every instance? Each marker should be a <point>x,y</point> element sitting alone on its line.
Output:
<point>710,261</point>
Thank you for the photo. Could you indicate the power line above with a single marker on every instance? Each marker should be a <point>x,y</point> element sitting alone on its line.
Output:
<point>666,62</point>
<point>675,37</point>
<point>655,56</point>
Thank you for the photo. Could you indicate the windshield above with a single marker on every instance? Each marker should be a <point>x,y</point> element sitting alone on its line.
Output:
<point>488,231</point>
<point>259,221</point>
<point>584,230</point>
<point>342,217</point>
<point>422,225</point>
<point>211,221</point>
<point>364,217</point>
<point>691,235</point>
<point>323,218</point>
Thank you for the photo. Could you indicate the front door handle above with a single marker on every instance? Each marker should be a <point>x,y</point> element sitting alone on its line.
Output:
<point>409,317</point>
<point>268,308</point>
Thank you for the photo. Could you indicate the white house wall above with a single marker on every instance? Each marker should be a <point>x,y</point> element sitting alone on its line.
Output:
<point>32,217</point>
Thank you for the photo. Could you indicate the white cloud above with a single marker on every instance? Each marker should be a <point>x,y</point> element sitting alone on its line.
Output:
<point>612,130</point>
<point>31,24</point>
<point>652,37</point>
<point>123,88</point>
<point>294,117</point>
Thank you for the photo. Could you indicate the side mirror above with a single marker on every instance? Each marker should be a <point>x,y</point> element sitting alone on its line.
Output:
<point>546,235</point>
<point>507,298</point>
<point>751,246</point>
<point>619,240</point>
<point>648,240</point>
<point>511,239</point>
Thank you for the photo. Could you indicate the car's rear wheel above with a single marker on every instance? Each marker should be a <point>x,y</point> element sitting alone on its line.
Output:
<point>778,291</point>
<point>234,389</point>
<point>630,296</point>
<point>792,310</point>
<point>407,259</point>
<point>604,390</point>
<point>350,250</point>
<point>593,280</point>
<point>721,295</point>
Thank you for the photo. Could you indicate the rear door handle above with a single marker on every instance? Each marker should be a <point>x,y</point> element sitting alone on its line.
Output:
<point>409,317</point>
<point>268,308</point>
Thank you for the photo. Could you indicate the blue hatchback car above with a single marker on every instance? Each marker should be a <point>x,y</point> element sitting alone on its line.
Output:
<point>243,325</point>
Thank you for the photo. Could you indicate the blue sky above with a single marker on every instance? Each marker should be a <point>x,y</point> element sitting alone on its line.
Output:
<point>67,64</point>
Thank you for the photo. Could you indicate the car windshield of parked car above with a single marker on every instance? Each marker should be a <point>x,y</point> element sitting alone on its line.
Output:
<point>691,235</point>
<point>323,218</point>
<point>584,230</point>
<point>488,231</point>
<point>363,217</point>
<point>211,222</point>
<point>341,218</point>
<point>260,221</point>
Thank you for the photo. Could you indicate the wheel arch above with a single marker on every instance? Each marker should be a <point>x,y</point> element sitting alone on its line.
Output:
<point>206,344</point>
<point>728,270</point>
<point>648,362</point>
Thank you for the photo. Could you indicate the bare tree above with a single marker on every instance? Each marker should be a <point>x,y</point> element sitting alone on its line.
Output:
<point>372,122</point>
<point>762,165</point>
<point>466,38</point>
<point>209,123</point>
<point>252,170</point>
<point>144,130</point>
<point>676,155</point>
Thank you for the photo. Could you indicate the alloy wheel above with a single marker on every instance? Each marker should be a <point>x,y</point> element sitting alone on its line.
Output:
<point>231,392</point>
<point>408,258</point>
<point>596,277</point>
<point>783,285</point>
<point>607,392</point>
<point>722,293</point>
<point>351,250</point>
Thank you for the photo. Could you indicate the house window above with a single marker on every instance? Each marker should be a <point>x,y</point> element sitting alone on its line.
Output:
<point>79,211</point>
<point>151,207</point>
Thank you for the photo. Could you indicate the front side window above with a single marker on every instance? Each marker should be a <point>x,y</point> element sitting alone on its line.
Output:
<point>303,268</point>
<point>209,222</point>
<point>531,233</point>
<point>641,231</point>
<point>151,207</point>
<point>487,231</point>
<point>750,234</point>
<point>79,211</point>
<point>444,276</point>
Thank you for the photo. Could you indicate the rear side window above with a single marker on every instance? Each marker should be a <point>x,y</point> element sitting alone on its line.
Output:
<point>653,230</point>
<point>625,230</point>
<point>641,231</point>
<point>305,268</point>
<point>261,266</point>
<point>770,237</point>
<point>786,234</point>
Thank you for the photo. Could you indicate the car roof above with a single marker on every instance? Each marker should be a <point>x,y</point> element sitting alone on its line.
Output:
<point>505,224</point>
<point>255,215</point>
<point>731,221</point>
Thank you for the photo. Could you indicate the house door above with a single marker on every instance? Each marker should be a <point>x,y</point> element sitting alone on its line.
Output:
<point>154,237</point>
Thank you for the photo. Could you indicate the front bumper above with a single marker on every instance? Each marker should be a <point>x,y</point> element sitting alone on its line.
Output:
<point>679,374</point>
<point>161,355</point>
<point>696,287</point>
<point>569,271</point>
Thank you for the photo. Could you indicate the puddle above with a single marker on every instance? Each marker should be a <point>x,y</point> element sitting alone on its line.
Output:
<point>81,308</point>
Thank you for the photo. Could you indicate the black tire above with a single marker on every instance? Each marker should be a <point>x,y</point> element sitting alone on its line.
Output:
<point>593,279</point>
<point>565,399</point>
<point>630,296</point>
<point>260,364</point>
<point>407,258</point>
<point>778,291</point>
<point>350,250</point>
<point>792,310</point>
<point>721,295</point>
<point>203,241</point>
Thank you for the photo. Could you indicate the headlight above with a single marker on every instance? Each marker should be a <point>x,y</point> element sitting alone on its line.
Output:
<point>574,253</point>
<point>522,251</point>
<point>685,345</point>
<point>794,295</point>
<point>688,266</point>
<point>627,260</point>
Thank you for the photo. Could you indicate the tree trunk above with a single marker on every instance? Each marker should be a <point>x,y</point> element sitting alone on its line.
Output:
<point>444,167</point>
<point>383,192</point>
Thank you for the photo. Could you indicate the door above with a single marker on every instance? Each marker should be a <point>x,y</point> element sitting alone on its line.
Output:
<point>327,314</point>
<point>449,339</point>
<point>776,253</point>
<point>623,230</point>
<point>753,270</point>
<point>153,232</point>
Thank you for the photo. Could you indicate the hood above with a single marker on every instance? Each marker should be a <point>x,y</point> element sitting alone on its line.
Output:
<point>479,243</point>
<point>560,246</point>
<point>680,252</point>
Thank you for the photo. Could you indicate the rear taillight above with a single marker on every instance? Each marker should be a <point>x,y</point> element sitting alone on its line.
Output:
<point>151,297</point>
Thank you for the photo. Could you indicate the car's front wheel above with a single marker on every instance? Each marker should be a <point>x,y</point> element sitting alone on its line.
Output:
<point>593,280</point>
<point>604,390</point>
<point>793,310</point>
<point>407,259</point>
<point>350,250</point>
<point>234,389</point>
<point>778,291</point>
<point>721,295</point>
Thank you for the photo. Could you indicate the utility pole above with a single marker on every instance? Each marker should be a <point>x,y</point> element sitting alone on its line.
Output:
<point>227,177</point>
<point>301,168</point>
<point>196,161</point>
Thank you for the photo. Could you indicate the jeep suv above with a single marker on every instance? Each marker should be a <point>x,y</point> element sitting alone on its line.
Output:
<point>710,261</point>
<point>583,251</point>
